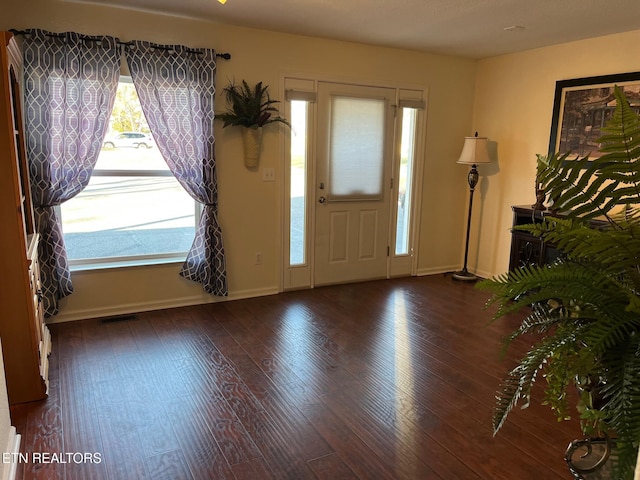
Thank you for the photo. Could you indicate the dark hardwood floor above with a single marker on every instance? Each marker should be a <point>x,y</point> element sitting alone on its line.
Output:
<point>380,380</point>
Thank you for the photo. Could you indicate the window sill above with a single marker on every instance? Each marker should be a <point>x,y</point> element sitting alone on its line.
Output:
<point>116,263</point>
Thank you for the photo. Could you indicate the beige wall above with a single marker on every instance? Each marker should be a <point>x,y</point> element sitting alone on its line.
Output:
<point>513,105</point>
<point>250,209</point>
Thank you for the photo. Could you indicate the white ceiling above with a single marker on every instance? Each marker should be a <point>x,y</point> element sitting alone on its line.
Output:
<point>469,28</point>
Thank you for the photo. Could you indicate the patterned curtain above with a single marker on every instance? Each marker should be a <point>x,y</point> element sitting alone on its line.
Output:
<point>69,91</point>
<point>176,86</point>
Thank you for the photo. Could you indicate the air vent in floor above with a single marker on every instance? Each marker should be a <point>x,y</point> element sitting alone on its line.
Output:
<point>119,318</point>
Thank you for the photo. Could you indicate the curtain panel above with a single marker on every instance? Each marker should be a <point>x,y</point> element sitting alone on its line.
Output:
<point>70,83</point>
<point>176,87</point>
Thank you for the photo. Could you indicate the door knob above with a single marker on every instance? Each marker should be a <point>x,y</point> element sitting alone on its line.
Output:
<point>322,200</point>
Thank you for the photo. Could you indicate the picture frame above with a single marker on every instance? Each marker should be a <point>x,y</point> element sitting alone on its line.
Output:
<point>581,106</point>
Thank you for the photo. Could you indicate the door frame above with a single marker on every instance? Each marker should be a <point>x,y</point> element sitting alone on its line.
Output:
<point>303,276</point>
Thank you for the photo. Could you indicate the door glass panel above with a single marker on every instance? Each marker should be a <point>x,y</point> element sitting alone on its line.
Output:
<point>356,156</point>
<point>407,155</point>
<point>298,201</point>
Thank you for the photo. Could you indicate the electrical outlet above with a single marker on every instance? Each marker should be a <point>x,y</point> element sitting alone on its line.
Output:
<point>258,258</point>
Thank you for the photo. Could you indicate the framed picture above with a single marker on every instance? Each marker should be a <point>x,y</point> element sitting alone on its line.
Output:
<point>582,106</point>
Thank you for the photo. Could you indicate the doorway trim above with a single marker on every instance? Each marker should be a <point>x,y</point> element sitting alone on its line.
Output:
<point>306,85</point>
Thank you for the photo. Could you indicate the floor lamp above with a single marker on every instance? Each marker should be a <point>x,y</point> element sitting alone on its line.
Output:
<point>474,151</point>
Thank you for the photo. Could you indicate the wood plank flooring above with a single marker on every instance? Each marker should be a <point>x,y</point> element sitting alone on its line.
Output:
<point>392,379</point>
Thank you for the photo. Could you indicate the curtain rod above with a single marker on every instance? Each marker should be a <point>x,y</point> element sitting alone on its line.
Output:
<point>225,56</point>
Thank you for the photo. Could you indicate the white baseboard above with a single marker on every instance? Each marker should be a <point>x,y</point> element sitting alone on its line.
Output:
<point>436,270</point>
<point>135,307</point>
<point>483,274</point>
<point>450,269</point>
<point>126,309</point>
<point>9,470</point>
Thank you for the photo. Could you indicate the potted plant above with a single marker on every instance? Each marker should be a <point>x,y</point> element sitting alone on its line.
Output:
<point>584,307</point>
<point>250,108</point>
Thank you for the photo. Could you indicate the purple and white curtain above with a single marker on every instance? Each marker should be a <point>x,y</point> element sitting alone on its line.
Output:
<point>176,87</point>
<point>69,91</point>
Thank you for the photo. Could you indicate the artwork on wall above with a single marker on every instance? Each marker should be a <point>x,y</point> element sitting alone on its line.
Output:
<point>582,106</point>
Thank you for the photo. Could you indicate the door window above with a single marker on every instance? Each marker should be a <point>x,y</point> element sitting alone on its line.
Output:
<point>356,154</point>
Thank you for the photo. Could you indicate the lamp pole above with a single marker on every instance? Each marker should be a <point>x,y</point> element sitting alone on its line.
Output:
<point>464,274</point>
<point>474,151</point>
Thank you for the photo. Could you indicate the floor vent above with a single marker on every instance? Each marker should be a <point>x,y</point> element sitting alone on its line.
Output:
<point>119,318</point>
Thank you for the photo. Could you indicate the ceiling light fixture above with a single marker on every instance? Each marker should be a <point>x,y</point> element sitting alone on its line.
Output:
<point>222,1</point>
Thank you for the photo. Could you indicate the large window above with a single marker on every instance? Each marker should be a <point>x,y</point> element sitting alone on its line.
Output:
<point>133,208</point>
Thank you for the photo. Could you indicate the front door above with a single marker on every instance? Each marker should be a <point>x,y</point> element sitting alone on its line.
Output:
<point>353,182</point>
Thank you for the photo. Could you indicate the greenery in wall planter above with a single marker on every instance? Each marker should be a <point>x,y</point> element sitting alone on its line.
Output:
<point>585,307</point>
<point>250,108</point>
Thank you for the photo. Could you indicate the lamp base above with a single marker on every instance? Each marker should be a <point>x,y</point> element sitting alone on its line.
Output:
<point>465,276</point>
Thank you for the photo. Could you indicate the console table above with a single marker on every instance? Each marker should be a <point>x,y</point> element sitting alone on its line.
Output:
<point>527,249</point>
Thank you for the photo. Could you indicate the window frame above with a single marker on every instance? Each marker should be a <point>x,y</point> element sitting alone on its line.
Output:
<point>129,260</point>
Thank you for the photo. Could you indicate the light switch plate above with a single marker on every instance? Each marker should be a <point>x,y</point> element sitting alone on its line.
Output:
<point>269,174</point>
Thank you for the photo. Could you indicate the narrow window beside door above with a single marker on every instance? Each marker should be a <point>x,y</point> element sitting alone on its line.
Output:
<point>405,180</point>
<point>298,190</point>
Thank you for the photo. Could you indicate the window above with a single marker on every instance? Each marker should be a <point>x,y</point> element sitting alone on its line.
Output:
<point>356,148</point>
<point>407,159</point>
<point>298,200</point>
<point>133,208</point>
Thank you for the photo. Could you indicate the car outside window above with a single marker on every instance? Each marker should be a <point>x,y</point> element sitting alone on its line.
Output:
<point>129,140</point>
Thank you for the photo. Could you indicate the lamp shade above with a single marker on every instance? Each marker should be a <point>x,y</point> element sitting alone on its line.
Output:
<point>474,151</point>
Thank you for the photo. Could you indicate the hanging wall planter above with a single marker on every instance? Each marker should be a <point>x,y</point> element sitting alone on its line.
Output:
<point>252,142</point>
<point>251,108</point>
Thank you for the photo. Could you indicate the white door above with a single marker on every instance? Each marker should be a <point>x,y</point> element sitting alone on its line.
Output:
<point>353,182</point>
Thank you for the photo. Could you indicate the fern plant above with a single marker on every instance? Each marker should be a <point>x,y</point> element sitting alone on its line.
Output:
<point>250,107</point>
<point>584,307</point>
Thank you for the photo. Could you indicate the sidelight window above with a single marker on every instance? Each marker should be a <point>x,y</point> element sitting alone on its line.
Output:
<point>405,180</point>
